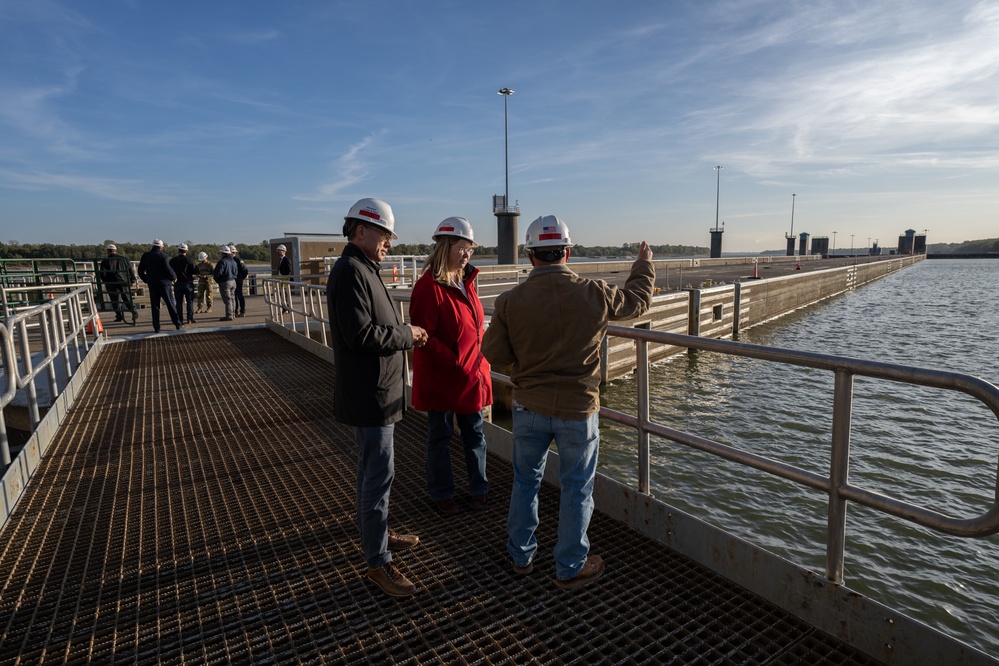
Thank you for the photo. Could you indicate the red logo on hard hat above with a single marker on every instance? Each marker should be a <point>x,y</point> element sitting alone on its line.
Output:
<point>370,213</point>
<point>445,229</point>
<point>549,236</point>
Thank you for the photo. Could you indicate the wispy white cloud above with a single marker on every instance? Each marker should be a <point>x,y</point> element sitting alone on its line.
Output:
<point>350,169</point>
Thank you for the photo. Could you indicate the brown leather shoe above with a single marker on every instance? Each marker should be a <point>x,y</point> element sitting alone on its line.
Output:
<point>398,541</point>
<point>592,569</point>
<point>391,580</point>
<point>478,502</point>
<point>448,506</point>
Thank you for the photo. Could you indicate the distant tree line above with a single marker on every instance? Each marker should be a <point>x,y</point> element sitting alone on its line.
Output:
<point>967,247</point>
<point>626,250</point>
<point>133,251</point>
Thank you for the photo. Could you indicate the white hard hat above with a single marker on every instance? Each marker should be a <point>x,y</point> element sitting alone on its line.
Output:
<point>455,226</point>
<point>202,256</point>
<point>282,248</point>
<point>232,246</point>
<point>182,246</point>
<point>547,231</point>
<point>373,211</point>
<point>157,243</point>
<point>111,247</point>
<point>225,250</point>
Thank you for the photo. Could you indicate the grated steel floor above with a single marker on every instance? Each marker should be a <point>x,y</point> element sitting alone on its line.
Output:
<point>197,507</point>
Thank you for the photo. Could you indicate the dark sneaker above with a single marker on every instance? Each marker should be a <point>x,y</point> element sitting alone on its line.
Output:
<point>191,321</point>
<point>448,506</point>
<point>398,541</point>
<point>392,581</point>
<point>592,569</point>
<point>478,502</point>
<point>523,570</point>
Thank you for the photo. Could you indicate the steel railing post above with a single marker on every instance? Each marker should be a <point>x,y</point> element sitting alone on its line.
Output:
<point>644,457</point>
<point>839,473</point>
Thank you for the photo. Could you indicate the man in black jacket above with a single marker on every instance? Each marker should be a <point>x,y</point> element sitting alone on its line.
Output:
<point>118,277</point>
<point>369,341</point>
<point>155,271</point>
<point>241,273</point>
<point>183,288</point>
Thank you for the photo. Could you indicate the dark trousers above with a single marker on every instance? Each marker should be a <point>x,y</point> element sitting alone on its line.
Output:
<point>118,292</point>
<point>162,290</point>
<point>240,300</point>
<point>182,291</point>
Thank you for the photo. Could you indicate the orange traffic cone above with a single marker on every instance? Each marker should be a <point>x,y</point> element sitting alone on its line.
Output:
<point>100,326</point>
<point>395,272</point>
<point>798,267</point>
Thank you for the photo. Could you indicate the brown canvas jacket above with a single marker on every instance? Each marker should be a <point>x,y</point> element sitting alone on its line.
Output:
<point>546,332</point>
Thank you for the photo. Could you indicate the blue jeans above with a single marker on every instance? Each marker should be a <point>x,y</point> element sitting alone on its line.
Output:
<point>181,291</point>
<point>577,443</point>
<point>440,480</point>
<point>375,472</point>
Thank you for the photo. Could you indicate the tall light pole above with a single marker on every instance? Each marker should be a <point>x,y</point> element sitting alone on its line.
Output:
<point>834,243</point>
<point>717,194</point>
<point>716,233</point>
<point>506,215</point>
<point>506,92</point>
<point>791,251</point>
<point>792,214</point>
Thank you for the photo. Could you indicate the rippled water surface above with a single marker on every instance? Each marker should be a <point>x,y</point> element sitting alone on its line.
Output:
<point>935,448</point>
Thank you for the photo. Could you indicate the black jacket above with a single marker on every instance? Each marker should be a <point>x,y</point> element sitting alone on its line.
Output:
<point>184,267</point>
<point>154,266</point>
<point>369,340</point>
<point>117,270</point>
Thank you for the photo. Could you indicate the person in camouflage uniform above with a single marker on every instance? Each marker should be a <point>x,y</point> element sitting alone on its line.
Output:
<point>205,269</point>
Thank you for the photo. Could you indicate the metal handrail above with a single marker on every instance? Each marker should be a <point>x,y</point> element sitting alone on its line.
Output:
<point>835,484</point>
<point>63,325</point>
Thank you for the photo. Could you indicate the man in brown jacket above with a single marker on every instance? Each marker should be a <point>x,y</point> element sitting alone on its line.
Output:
<point>545,334</point>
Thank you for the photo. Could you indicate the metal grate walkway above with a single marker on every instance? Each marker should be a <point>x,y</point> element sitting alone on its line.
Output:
<point>197,507</point>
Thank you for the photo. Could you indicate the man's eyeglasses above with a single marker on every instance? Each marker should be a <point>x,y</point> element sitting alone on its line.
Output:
<point>383,236</point>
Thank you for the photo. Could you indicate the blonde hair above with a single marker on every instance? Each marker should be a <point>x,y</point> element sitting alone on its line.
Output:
<point>436,263</point>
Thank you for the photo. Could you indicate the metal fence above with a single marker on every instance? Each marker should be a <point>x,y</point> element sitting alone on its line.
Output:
<point>42,347</point>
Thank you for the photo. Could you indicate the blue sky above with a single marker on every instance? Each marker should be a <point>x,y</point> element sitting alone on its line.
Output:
<point>218,121</point>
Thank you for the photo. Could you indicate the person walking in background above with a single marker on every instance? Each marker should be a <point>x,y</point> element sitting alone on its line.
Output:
<point>205,270</point>
<point>183,289</point>
<point>225,277</point>
<point>545,333</point>
<point>155,271</point>
<point>284,263</point>
<point>369,341</point>
<point>118,278</point>
<point>241,273</point>
<point>450,375</point>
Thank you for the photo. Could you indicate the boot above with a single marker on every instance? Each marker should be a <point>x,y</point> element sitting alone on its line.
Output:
<point>392,581</point>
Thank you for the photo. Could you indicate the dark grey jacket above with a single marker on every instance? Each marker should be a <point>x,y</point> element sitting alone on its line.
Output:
<point>369,339</point>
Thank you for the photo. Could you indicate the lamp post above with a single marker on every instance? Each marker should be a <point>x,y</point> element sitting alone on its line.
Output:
<point>506,215</point>
<point>506,92</point>
<point>717,194</point>
<point>851,249</point>
<point>834,243</point>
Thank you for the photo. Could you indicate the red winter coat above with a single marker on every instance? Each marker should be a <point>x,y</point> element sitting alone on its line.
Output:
<point>450,374</point>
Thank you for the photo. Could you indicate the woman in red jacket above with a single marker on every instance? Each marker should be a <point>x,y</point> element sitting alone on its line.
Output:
<point>450,375</point>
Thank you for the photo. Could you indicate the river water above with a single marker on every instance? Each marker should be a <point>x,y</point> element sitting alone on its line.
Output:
<point>935,448</point>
